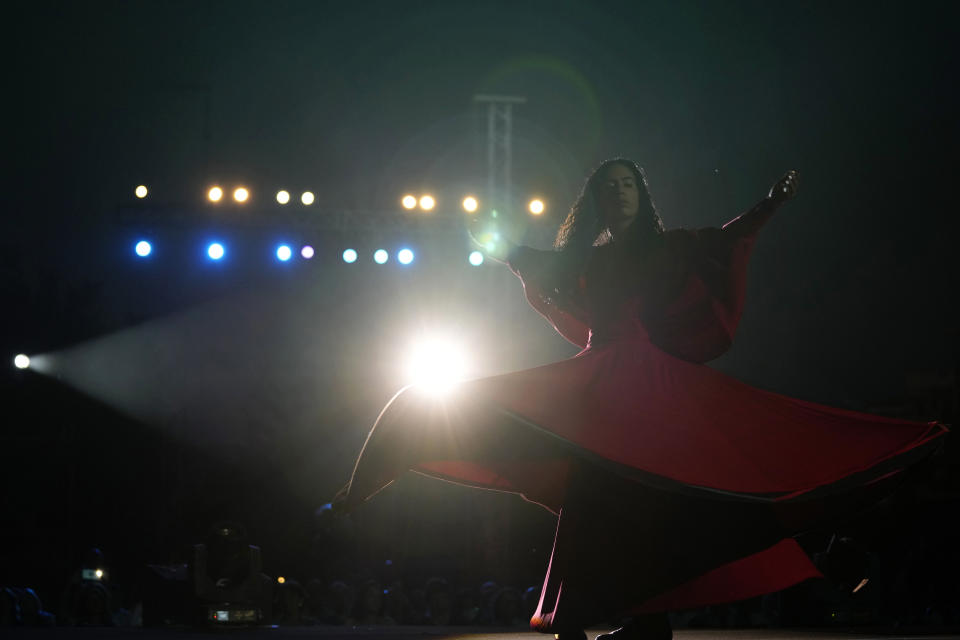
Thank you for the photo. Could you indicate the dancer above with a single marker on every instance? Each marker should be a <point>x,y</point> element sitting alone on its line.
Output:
<point>675,485</point>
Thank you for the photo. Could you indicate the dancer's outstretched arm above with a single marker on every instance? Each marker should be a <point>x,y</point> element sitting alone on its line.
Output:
<point>750,222</point>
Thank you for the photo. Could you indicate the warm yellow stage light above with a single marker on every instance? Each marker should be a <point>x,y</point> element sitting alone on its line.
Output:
<point>408,202</point>
<point>470,204</point>
<point>240,194</point>
<point>281,579</point>
<point>141,191</point>
<point>215,194</point>
<point>536,207</point>
<point>307,198</point>
<point>427,203</point>
<point>283,197</point>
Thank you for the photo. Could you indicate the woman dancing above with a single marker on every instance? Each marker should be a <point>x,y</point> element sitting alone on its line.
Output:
<point>675,485</point>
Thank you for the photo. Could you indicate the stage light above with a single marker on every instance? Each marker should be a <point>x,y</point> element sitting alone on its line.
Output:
<point>281,580</point>
<point>215,250</point>
<point>307,198</point>
<point>99,573</point>
<point>140,192</point>
<point>21,361</point>
<point>143,248</point>
<point>380,256</point>
<point>427,203</point>
<point>349,255</point>
<point>470,204</point>
<point>283,197</point>
<point>476,258</point>
<point>215,194</point>
<point>307,252</point>
<point>408,202</point>
<point>284,253</point>
<point>536,206</point>
<point>240,194</point>
<point>405,256</point>
<point>435,365</point>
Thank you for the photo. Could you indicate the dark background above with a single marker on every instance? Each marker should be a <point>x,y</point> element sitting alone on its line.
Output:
<point>180,392</point>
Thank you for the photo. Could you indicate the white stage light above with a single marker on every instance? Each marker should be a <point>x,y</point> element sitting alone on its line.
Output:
<point>307,198</point>
<point>241,194</point>
<point>143,248</point>
<point>405,256</point>
<point>436,365</point>
<point>408,202</point>
<point>307,252</point>
<point>470,204</point>
<point>141,191</point>
<point>380,256</point>
<point>427,203</point>
<point>476,258</point>
<point>21,361</point>
<point>283,197</point>
<point>215,250</point>
<point>284,253</point>
<point>215,194</point>
<point>349,255</point>
<point>536,207</point>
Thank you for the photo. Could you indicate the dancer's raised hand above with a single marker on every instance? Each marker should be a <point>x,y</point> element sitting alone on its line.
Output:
<point>786,187</point>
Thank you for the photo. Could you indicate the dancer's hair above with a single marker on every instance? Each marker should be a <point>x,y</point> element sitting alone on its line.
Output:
<point>585,228</point>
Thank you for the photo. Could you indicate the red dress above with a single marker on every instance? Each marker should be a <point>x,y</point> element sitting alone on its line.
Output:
<point>676,486</point>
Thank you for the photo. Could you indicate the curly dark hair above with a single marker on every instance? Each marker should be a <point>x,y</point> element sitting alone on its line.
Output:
<point>584,227</point>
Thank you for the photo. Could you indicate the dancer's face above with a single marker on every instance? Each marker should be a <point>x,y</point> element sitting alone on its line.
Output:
<point>618,197</point>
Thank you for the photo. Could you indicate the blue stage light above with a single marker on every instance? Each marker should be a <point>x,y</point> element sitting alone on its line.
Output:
<point>215,250</point>
<point>284,253</point>
<point>405,256</point>
<point>143,248</point>
<point>349,255</point>
<point>476,258</point>
<point>380,256</point>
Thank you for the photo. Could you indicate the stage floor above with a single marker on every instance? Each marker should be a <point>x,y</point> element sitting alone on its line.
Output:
<point>443,633</point>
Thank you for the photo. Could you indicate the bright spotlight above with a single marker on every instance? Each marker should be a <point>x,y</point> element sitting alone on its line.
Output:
<point>436,365</point>
<point>307,198</point>
<point>283,197</point>
<point>536,206</point>
<point>21,361</point>
<point>349,255</point>
<point>284,253</point>
<point>427,203</point>
<point>470,204</point>
<point>215,250</point>
<point>281,580</point>
<point>408,202</point>
<point>143,248</point>
<point>241,194</point>
<point>476,258</point>
<point>140,192</point>
<point>215,194</point>
<point>380,256</point>
<point>307,252</point>
<point>405,256</point>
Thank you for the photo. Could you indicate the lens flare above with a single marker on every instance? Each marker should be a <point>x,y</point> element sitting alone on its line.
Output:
<point>436,365</point>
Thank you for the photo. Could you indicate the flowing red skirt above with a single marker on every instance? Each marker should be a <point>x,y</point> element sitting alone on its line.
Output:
<point>676,486</point>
